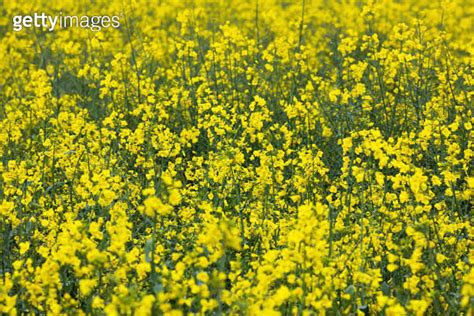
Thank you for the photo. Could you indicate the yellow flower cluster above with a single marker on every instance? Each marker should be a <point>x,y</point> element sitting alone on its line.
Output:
<point>238,157</point>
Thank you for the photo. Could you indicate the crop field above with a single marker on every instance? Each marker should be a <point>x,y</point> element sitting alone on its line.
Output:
<point>242,157</point>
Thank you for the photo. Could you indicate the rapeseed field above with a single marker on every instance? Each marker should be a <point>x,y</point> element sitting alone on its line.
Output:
<point>243,157</point>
